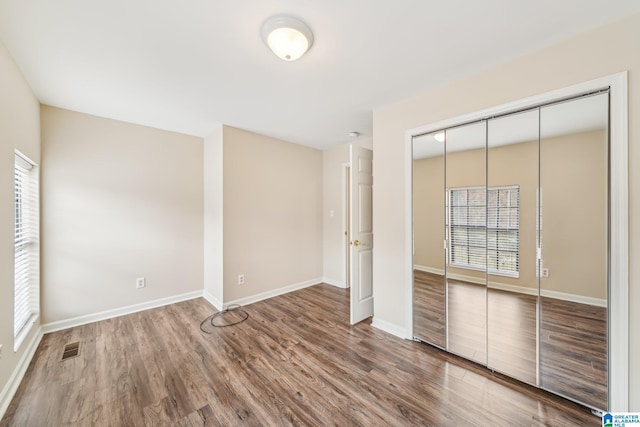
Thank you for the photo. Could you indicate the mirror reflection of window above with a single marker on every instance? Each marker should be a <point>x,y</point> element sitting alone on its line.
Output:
<point>466,277</point>
<point>470,239</point>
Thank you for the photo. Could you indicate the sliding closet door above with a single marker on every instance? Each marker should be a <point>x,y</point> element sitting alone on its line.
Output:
<point>574,241</point>
<point>466,244</point>
<point>429,307</point>
<point>512,294</point>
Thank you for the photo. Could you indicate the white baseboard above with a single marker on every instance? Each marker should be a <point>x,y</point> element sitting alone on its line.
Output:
<point>117,312</point>
<point>333,282</point>
<point>10,388</point>
<point>517,289</point>
<point>274,293</point>
<point>466,279</point>
<point>213,300</point>
<point>391,328</point>
<point>513,288</point>
<point>574,298</point>
<point>426,269</point>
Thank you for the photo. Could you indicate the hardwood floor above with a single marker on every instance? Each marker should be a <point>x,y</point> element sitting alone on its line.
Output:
<point>573,350</point>
<point>294,361</point>
<point>467,320</point>
<point>573,336</point>
<point>511,334</point>
<point>429,318</point>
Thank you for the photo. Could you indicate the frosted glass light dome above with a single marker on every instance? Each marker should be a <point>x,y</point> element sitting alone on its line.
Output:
<point>287,37</point>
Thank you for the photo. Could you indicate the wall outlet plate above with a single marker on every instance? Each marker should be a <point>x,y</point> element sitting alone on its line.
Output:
<point>141,282</point>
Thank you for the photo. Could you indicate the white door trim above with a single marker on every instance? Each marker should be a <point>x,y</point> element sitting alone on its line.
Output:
<point>619,234</point>
<point>346,167</point>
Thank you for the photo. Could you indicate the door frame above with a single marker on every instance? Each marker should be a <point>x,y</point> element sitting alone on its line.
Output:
<point>346,249</point>
<point>619,216</point>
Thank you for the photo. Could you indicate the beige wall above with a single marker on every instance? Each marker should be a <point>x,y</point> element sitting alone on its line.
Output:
<point>574,190</point>
<point>19,129</point>
<point>578,161</point>
<point>272,214</point>
<point>333,227</point>
<point>213,219</point>
<point>428,214</point>
<point>119,201</point>
<point>605,51</point>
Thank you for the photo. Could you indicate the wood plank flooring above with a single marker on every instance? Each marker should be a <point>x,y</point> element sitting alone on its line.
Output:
<point>429,308</point>
<point>294,361</point>
<point>511,334</point>
<point>573,336</point>
<point>573,350</point>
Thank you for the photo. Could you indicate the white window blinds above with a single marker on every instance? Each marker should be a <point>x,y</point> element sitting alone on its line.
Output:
<point>484,229</point>
<point>27,258</point>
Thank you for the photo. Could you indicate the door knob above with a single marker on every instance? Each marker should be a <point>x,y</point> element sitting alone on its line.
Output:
<point>356,243</point>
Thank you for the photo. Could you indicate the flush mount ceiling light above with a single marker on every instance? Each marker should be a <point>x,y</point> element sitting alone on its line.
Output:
<point>288,38</point>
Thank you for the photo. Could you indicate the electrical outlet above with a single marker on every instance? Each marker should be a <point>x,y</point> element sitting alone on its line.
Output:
<point>240,279</point>
<point>141,282</point>
<point>545,272</point>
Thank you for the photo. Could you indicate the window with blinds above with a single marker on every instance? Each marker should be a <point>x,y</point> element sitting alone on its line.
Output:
<point>484,229</point>
<point>27,252</point>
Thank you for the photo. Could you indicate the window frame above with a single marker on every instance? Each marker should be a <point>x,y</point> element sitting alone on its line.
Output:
<point>484,228</point>
<point>26,302</point>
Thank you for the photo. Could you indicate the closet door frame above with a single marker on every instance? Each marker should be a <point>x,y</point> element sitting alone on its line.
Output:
<point>619,216</point>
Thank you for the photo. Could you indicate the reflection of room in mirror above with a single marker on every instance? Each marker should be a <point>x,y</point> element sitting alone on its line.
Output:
<point>428,211</point>
<point>512,300</point>
<point>574,241</point>
<point>465,187</point>
<point>429,307</point>
<point>467,320</point>
<point>525,299</point>
<point>512,334</point>
<point>573,350</point>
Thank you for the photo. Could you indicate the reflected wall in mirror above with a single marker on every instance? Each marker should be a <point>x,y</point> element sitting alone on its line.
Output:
<point>574,240</point>
<point>429,311</point>
<point>466,241</point>
<point>512,294</point>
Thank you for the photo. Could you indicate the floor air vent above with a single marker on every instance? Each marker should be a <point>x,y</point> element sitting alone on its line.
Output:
<point>71,350</point>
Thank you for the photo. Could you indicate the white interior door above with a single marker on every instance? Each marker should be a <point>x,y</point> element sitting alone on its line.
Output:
<point>361,233</point>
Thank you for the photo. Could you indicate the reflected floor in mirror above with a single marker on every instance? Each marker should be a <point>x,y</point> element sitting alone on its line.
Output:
<point>429,308</point>
<point>573,336</point>
<point>512,334</point>
<point>573,350</point>
<point>467,315</point>
<point>294,361</point>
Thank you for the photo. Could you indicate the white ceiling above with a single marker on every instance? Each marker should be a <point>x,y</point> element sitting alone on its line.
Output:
<point>191,65</point>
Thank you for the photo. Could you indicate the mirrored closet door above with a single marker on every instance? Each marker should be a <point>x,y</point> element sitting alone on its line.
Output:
<point>511,244</point>
<point>466,255</point>
<point>512,295</point>
<point>429,286</point>
<point>574,240</point>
